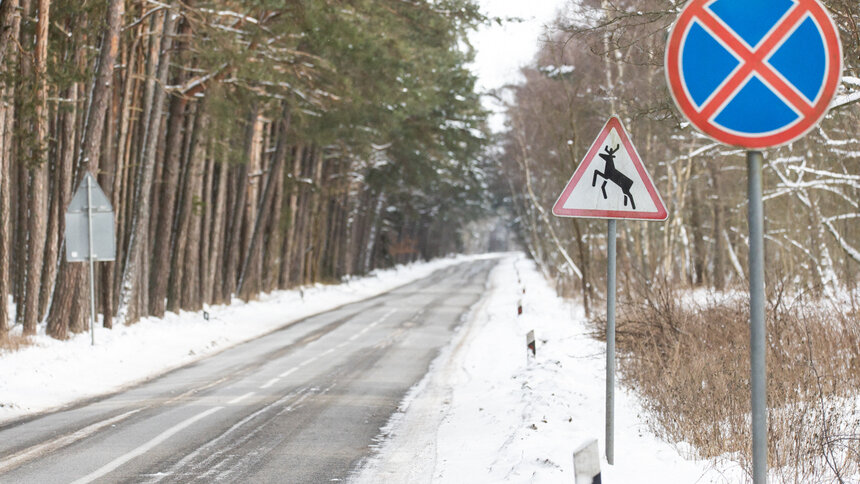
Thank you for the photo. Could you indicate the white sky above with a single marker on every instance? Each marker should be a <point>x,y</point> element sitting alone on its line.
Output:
<point>502,50</point>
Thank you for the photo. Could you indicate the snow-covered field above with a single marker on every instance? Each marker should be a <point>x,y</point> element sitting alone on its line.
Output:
<point>485,414</point>
<point>51,373</point>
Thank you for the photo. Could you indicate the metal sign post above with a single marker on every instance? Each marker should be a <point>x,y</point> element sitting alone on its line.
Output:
<point>91,256</point>
<point>89,234</point>
<point>758,376</point>
<point>610,342</point>
<point>755,74</point>
<point>626,192</point>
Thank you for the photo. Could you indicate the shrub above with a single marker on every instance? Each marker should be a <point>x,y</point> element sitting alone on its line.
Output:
<point>689,359</point>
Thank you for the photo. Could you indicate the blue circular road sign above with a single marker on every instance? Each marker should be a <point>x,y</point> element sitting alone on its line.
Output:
<point>754,73</point>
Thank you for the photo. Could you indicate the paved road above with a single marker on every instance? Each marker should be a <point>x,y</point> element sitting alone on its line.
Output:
<point>302,404</point>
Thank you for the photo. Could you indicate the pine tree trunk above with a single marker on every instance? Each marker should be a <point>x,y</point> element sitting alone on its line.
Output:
<point>287,262</point>
<point>185,213</point>
<point>252,204</point>
<point>237,211</point>
<point>354,199</point>
<point>319,211</point>
<point>206,223</point>
<point>7,115</point>
<point>167,210</point>
<point>131,306</point>
<point>373,233</point>
<point>150,40</point>
<point>38,196</point>
<point>63,315</point>
<point>61,192</point>
<point>9,22</point>
<point>20,193</point>
<point>191,220</point>
<point>110,172</point>
<point>212,293</point>
<point>127,122</point>
<point>231,194</point>
<point>250,269</point>
<point>23,111</point>
<point>300,244</point>
<point>273,253</point>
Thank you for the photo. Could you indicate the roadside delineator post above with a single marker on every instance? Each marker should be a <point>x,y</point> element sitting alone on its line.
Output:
<point>586,463</point>
<point>531,346</point>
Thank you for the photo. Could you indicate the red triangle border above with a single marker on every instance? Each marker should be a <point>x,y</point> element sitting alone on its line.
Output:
<point>614,122</point>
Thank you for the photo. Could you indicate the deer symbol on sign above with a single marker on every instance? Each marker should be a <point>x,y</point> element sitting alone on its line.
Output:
<point>611,174</point>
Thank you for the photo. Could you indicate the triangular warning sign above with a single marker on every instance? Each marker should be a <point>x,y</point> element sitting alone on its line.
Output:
<point>611,182</point>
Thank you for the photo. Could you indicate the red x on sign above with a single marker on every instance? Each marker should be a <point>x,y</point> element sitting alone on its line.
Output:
<point>754,73</point>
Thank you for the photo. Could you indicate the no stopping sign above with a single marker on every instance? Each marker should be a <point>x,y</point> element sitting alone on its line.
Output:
<point>754,73</point>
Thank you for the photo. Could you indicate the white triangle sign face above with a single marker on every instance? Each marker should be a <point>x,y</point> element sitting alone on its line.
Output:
<point>611,182</point>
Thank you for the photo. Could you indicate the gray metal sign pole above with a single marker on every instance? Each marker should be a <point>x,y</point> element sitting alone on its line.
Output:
<point>758,376</point>
<point>610,343</point>
<point>91,262</point>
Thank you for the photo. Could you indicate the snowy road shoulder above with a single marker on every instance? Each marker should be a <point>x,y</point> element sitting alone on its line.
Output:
<point>51,374</point>
<point>485,414</point>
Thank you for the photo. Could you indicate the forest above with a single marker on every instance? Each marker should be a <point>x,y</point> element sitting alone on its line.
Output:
<point>607,57</point>
<point>245,146</point>
<point>250,146</point>
<point>682,331</point>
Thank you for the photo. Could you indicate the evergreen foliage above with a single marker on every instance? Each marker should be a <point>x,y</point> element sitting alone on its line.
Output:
<point>313,135</point>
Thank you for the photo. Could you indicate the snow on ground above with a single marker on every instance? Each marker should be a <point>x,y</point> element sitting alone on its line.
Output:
<point>485,414</point>
<point>52,373</point>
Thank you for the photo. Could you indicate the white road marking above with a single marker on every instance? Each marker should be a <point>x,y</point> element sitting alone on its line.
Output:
<point>302,395</point>
<point>48,447</point>
<point>308,361</point>
<point>239,399</point>
<point>329,351</point>
<point>114,464</point>
<point>372,325</point>
<point>270,383</point>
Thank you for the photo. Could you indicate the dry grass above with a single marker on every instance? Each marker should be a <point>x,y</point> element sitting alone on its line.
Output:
<point>13,343</point>
<point>691,364</point>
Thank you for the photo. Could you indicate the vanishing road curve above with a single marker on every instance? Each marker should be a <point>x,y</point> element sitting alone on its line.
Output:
<point>301,404</point>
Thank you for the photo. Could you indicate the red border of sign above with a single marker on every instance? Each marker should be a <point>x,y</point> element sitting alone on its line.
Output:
<point>809,117</point>
<point>614,122</point>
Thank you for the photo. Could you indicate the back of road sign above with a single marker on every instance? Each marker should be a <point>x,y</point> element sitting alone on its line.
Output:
<point>611,182</point>
<point>77,225</point>
<point>754,73</point>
